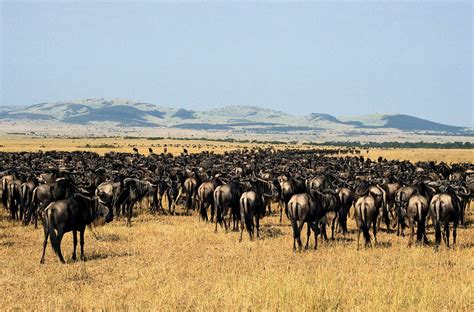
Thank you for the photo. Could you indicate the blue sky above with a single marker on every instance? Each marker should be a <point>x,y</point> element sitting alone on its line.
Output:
<point>340,57</point>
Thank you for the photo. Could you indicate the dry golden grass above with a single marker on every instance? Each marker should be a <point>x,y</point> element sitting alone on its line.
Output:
<point>179,263</point>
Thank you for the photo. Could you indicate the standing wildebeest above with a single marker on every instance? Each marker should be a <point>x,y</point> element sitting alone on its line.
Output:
<point>206,197</point>
<point>288,189</point>
<point>44,194</point>
<point>226,200</point>
<point>14,198</point>
<point>133,191</point>
<point>330,203</point>
<point>366,213</point>
<point>26,195</point>
<point>71,214</point>
<point>305,208</point>
<point>346,199</point>
<point>444,208</point>
<point>252,205</point>
<point>417,210</point>
<point>190,188</point>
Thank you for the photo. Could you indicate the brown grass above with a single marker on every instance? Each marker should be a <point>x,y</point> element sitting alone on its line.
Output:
<point>179,263</point>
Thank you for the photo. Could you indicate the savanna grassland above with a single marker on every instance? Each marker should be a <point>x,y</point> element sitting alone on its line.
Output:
<point>179,263</point>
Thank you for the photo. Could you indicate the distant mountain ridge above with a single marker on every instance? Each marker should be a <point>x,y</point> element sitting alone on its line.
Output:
<point>129,113</point>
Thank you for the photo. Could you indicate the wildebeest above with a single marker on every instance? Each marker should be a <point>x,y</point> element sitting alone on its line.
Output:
<point>366,213</point>
<point>252,205</point>
<point>44,194</point>
<point>444,208</point>
<point>417,210</point>
<point>71,214</point>
<point>305,208</point>
<point>227,202</point>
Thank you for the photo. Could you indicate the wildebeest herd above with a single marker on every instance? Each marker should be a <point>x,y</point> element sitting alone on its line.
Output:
<point>67,191</point>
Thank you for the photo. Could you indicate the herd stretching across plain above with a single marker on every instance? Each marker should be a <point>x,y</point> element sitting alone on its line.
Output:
<point>67,191</point>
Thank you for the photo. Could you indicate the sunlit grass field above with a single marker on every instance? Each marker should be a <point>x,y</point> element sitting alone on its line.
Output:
<point>179,263</point>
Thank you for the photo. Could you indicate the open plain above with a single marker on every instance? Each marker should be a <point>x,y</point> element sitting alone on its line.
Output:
<point>168,262</point>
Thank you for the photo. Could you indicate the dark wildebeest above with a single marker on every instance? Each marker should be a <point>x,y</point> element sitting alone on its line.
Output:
<point>44,194</point>
<point>14,198</point>
<point>26,195</point>
<point>366,213</point>
<point>417,210</point>
<point>227,202</point>
<point>71,214</point>
<point>133,191</point>
<point>330,203</point>
<point>252,204</point>
<point>190,188</point>
<point>288,189</point>
<point>346,199</point>
<point>206,197</point>
<point>6,180</point>
<point>444,208</point>
<point>305,208</point>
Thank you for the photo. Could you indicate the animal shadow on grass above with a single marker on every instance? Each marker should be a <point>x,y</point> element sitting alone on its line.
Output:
<point>101,255</point>
<point>269,232</point>
<point>382,244</point>
<point>7,244</point>
<point>108,237</point>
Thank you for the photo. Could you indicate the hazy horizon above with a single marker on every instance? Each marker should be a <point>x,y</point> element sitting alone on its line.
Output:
<point>341,58</point>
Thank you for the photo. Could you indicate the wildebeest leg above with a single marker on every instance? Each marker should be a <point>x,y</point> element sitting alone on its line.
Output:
<point>60,238</point>
<point>242,218</point>
<point>257,221</point>
<point>323,232</point>
<point>412,231</point>
<point>455,225</point>
<point>446,229</point>
<point>129,214</point>
<point>308,235</point>
<point>45,242</point>
<point>74,242</point>
<point>375,231</point>
<point>358,236</point>
<point>81,237</point>
<point>213,209</point>
<point>333,226</point>
<point>281,210</point>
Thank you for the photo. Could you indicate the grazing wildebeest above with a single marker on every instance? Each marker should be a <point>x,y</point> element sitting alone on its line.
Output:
<point>444,208</point>
<point>366,213</point>
<point>71,214</point>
